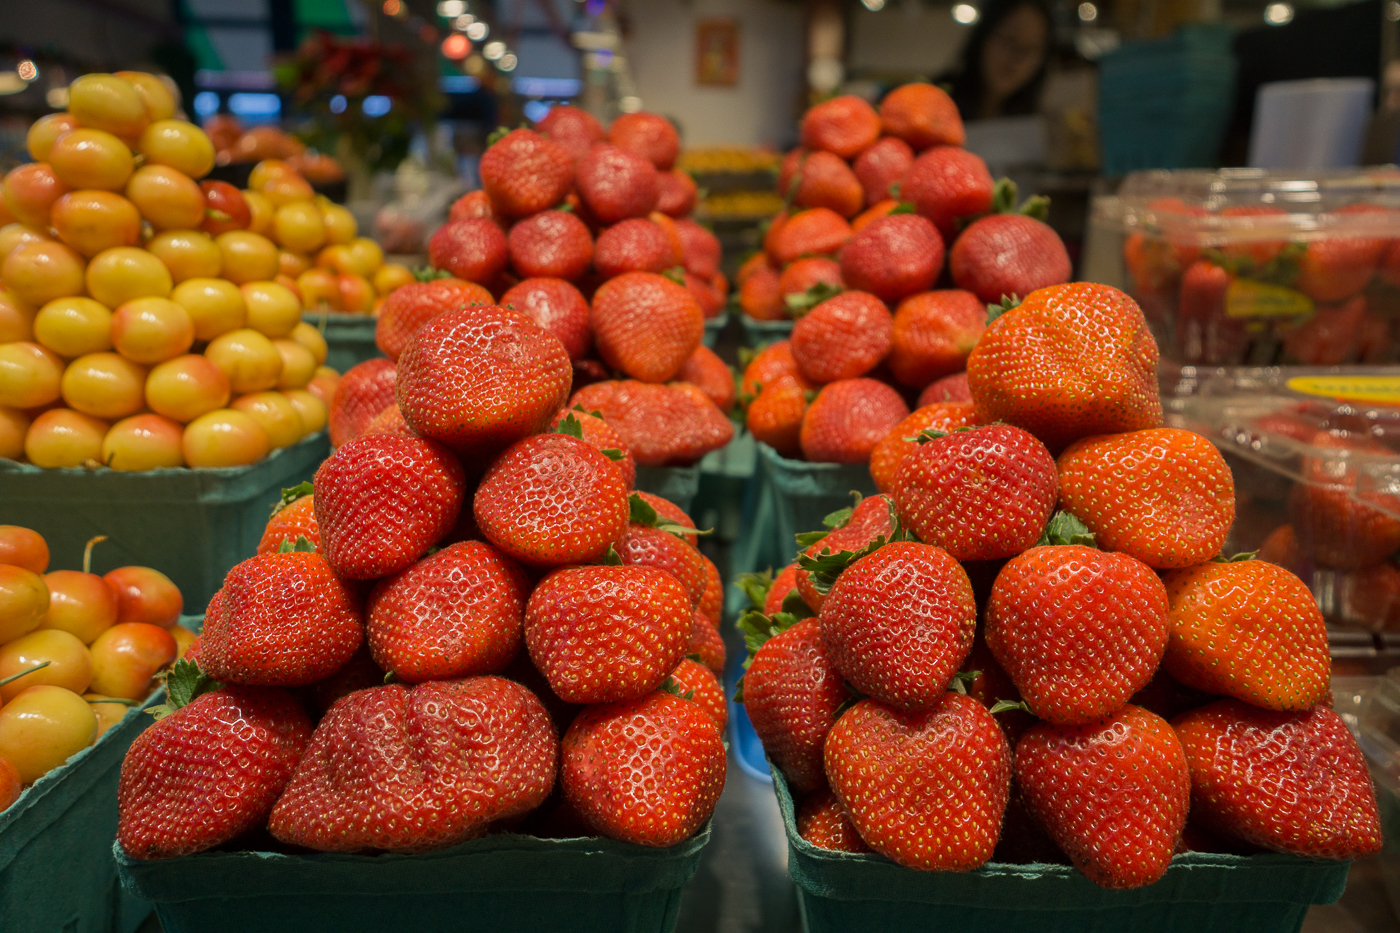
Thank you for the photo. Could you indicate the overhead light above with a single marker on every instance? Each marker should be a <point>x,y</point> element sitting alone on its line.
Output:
<point>508,62</point>
<point>11,83</point>
<point>477,31</point>
<point>392,7</point>
<point>376,105</point>
<point>1278,14</point>
<point>27,70</point>
<point>494,50</point>
<point>1088,12</point>
<point>965,13</point>
<point>206,104</point>
<point>456,46</point>
<point>874,6</point>
<point>462,22</point>
<point>450,9</point>
<point>630,104</point>
<point>338,103</point>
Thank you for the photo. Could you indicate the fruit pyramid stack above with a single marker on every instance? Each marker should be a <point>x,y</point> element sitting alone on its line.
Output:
<point>879,318</point>
<point>142,323</point>
<point>394,670</point>
<point>956,672</point>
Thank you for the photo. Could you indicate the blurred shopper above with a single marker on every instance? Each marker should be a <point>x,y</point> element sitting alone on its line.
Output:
<point>1002,66</point>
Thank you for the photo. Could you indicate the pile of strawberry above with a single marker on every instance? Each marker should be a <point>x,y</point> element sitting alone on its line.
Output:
<point>587,232</point>
<point>394,670</point>
<point>958,672</point>
<point>881,318</point>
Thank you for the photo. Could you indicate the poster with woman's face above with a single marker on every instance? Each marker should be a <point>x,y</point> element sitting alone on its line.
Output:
<point>717,52</point>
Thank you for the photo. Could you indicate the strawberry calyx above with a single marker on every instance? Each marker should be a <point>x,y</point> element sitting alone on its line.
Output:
<point>291,495</point>
<point>676,274</point>
<point>933,434</point>
<point>795,605</point>
<point>838,519</point>
<point>1004,195</point>
<point>1006,706</point>
<point>302,545</point>
<point>642,512</point>
<point>1280,270</point>
<point>610,558</point>
<point>1066,528</point>
<point>24,673</point>
<point>962,680</point>
<point>184,683</point>
<point>756,586</point>
<point>429,274</point>
<point>498,134</point>
<point>670,686</point>
<point>566,207</point>
<point>1235,559</point>
<point>757,629</point>
<point>1006,304</point>
<point>800,303</point>
<point>87,552</point>
<point>903,207</point>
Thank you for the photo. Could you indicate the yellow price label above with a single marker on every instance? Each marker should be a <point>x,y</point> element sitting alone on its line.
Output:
<point>1246,298</point>
<point>1374,390</point>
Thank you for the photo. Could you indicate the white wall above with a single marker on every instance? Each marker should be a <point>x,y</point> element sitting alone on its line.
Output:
<point>905,36</point>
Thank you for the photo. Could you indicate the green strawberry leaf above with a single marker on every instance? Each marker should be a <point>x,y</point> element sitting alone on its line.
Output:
<point>1004,195</point>
<point>1004,706</point>
<point>291,495</point>
<point>802,302</point>
<point>1036,207</point>
<point>670,686</point>
<point>1283,269</point>
<point>611,558</point>
<point>569,427</point>
<point>806,539</point>
<point>676,274</point>
<point>429,274</point>
<point>613,454</point>
<point>184,684</point>
<point>997,310</point>
<point>962,680</point>
<point>926,435</point>
<point>497,135</point>
<point>739,690</point>
<point>1066,528</point>
<point>566,207</point>
<point>642,512</point>
<point>795,605</point>
<point>746,354</point>
<point>302,545</point>
<point>756,586</point>
<point>758,628</point>
<point>1241,556</point>
<point>903,207</point>
<point>834,520</point>
<point>29,670</point>
<point>390,678</point>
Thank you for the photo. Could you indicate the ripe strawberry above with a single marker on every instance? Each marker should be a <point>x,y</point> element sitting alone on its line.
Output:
<point>472,249</point>
<point>405,769</point>
<point>947,184</point>
<point>646,325</point>
<point>1204,331</point>
<point>208,772</point>
<point>1008,254</point>
<point>1331,336</point>
<point>643,545</point>
<point>818,231</point>
<point>700,247</point>
<point>987,683</point>
<point>694,678</point>
<point>848,418</point>
<point>922,115</point>
<point>894,447</point>
<point>711,375</point>
<point>1281,548</point>
<point>925,789</point>
<point>1289,782</point>
<point>408,308</point>
<point>812,279</point>
<point>295,518</point>
<point>869,519</point>
<point>480,379</point>
<point>472,204</point>
<point>1340,521</point>
<point>755,261</point>
<point>822,821</point>
<point>1250,630</point>
<point>706,644</point>
<point>1079,631</point>
<point>573,128</point>
<point>881,166</point>
<point>711,302</point>
<point>1112,794</point>
<point>868,217</point>
<point>364,391</point>
<point>390,421</point>
<point>712,602</point>
<point>820,179</point>
<point>677,193</point>
<point>382,500</point>
<point>553,244</point>
<point>1068,362</point>
<point>952,388</point>
<point>593,430</point>
<point>933,334</point>
<point>1337,267</point>
<point>761,297</point>
<point>1370,598</point>
<point>525,173</point>
<point>893,257</point>
<point>649,135</point>
<point>616,184</point>
<point>647,771</point>
<point>842,338</point>
<point>844,125</point>
<point>556,306</point>
<point>635,245</point>
<point>775,416</point>
<point>662,425</point>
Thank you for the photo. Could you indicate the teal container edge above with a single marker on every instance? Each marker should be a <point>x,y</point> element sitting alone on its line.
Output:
<point>675,484</point>
<point>501,882</point>
<point>714,326</point>
<point>841,892</point>
<point>762,333</point>
<point>349,337</point>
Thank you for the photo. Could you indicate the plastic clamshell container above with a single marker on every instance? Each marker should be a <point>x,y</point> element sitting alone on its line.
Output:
<point>841,892</point>
<point>349,337</point>
<point>1252,267</point>
<point>1378,733</point>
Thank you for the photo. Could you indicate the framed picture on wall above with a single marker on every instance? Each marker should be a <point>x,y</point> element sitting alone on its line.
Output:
<point>717,52</point>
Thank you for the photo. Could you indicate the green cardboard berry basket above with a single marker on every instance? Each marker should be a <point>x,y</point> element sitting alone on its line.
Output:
<point>676,484</point>
<point>192,525</point>
<point>840,892</point>
<point>714,326</point>
<point>349,337</point>
<point>762,333</point>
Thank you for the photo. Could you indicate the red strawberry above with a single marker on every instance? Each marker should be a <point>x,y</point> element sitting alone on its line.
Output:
<point>1281,547</point>
<point>663,425</point>
<point>646,325</point>
<point>647,771</point>
<point>1113,794</point>
<point>706,644</point>
<point>1079,631</point>
<point>711,302</point>
<point>700,246</point>
<point>553,244</point>
<point>1204,331</point>
<point>870,518</point>
<point>844,125</point>
<point>1008,254</point>
<point>842,338</point>
<point>882,166</point>
<point>1289,782</point>
<point>551,500</point>
<point>823,822</point>
<point>643,545</point>
<point>890,453</point>
<point>712,602</point>
<point>525,173</point>
<point>382,500</point>
<point>848,418</point>
<point>457,613</point>
<point>952,388</point>
<point>390,421</point>
<point>818,231</point>
<point>409,307</point>
<point>208,772</point>
<point>926,790</point>
<point>694,678</point>
<point>635,245</point>
<point>820,179</point>
<point>711,375</point>
<point>1336,267</point>
<point>1331,336</point>
<point>480,379</point>
<point>414,769</point>
<point>1341,519</point>
<point>934,332</point>
<point>677,193</point>
<point>472,204</point>
<point>775,415</point>
<point>893,257</point>
<point>616,184</point>
<point>922,115</point>
<point>649,135</point>
<point>1370,598</point>
<point>556,306</point>
<point>364,391</point>
<point>472,249</point>
<point>607,634</point>
<point>761,297</point>
<point>573,128</point>
<point>947,184</point>
<point>295,519</point>
<point>988,684</point>
<point>812,278</point>
<point>595,431</point>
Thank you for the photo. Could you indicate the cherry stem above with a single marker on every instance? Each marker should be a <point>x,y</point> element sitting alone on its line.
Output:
<point>87,552</point>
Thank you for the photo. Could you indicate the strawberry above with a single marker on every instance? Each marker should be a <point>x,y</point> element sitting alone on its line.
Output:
<point>761,297</point>
<point>364,391</point>
<point>1248,244</point>
<point>662,425</point>
<point>922,115</point>
<point>552,244</point>
<point>1331,336</point>
<point>820,179</point>
<point>593,430</point>
<point>842,338</point>
<point>556,306</point>
<point>472,204</point>
<point>844,125</point>
<point>1340,516</point>
<point>987,683</point>
<point>616,184</point>
<point>1008,254</point>
<point>1370,598</point>
<point>209,771</point>
<point>706,644</point>
<point>881,166</point>
<point>647,771</point>
<point>635,245</point>
<point>607,634</point>
<point>893,257</point>
<point>408,308</point>
<point>855,531</point>
<point>767,365</point>
<point>1250,630</point>
<point>646,325</point>
<point>382,500</point>
<point>756,260</point>
<point>1112,794</point>
<point>810,281</point>
<point>711,302</point>
<point>525,173</point>
<point>934,332</point>
<point>457,613</point>
<point>390,421</point>
<point>1163,495</point>
<point>775,416</point>
<point>359,673</point>
<point>705,370</point>
<point>294,518</point>
<point>1204,331</point>
<point>817,231</point>
<point>925,789</point>
<point>1068,362</point>
<point>875,212</point>
<point>473,249</point>
<point>573,128</point>
<point>822,821</point>
<point>894,447</point>
<point>700,247</point>
<point>550,500</point>
<point>1281,548</point>
<point>979,494</point>
<point>712,601</point>
<point>1079,631</point>
<point>952,388</point>
<point>480,379</point>
<point>405,769</point>
<point>848,418</point>
<point>677,193</point>
<point>1288,782</point>
<point>1150,262</point>
<point>647,541</point>
<point>696,682</point>
<point>649,135</point>
<point>898,623</point>
<point>946,185</point>
<point>284,620</point>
